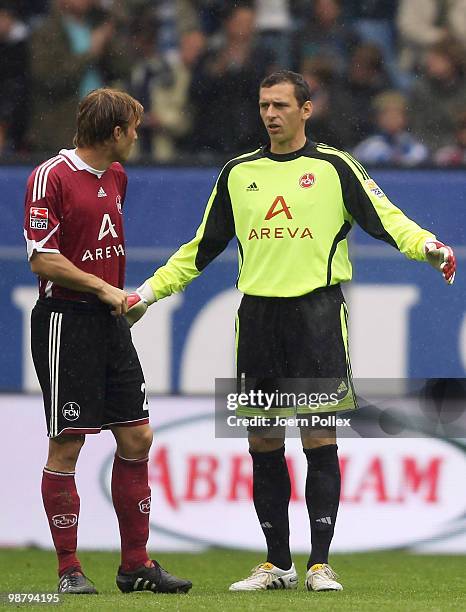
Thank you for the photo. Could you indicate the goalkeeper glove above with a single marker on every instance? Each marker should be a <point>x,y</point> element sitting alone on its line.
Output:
<point>442,258</point>
<point>138,302</point>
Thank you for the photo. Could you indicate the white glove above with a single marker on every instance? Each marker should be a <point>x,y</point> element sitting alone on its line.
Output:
<point>138,302</point>
<point>441,257</point>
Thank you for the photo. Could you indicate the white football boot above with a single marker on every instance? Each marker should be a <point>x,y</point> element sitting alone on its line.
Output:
<point>267,576</point>
<point>321,577</point>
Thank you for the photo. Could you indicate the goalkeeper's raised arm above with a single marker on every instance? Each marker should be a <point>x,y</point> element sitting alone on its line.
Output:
<point>372,210</point>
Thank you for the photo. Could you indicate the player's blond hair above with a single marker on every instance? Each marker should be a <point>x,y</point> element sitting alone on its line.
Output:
<point>100,112</point>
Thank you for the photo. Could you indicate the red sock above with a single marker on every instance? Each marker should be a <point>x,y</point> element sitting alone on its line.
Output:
<point>61,503</point>
<point>131,500</point>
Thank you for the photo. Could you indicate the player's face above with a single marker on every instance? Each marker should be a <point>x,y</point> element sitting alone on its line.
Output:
<point>283,118</point>
<point>124,142</point>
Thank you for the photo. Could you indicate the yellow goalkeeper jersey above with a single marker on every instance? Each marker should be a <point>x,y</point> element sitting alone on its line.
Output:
<point>291,215</point>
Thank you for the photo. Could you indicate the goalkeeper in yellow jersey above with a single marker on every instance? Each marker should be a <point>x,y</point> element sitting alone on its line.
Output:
<point>290,206</point>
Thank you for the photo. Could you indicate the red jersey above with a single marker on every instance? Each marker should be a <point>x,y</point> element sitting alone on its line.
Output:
<point>76,210</point>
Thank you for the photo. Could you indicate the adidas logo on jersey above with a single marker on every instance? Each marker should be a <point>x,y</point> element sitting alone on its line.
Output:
<point>342,387</point>
<point>252,187</point>
<point>325,519</point>
<point>101,193</point>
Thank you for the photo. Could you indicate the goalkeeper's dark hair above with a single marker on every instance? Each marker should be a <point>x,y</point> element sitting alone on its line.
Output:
<point>100,112</point>
<point>301,88</point>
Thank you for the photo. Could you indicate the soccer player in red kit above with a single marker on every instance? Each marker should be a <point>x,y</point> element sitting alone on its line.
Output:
<point>87,366</point>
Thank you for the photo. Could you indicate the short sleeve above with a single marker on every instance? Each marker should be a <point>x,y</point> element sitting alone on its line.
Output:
<point>42,212</point>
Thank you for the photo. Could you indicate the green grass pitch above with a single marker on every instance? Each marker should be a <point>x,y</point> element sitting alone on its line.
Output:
<point>373,581</point>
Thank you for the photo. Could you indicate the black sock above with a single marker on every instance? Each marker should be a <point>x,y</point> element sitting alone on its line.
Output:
<point>322,498</point>
<point>271,494</point>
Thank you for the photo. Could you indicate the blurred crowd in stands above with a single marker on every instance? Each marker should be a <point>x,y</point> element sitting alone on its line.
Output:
<point>387,76</point>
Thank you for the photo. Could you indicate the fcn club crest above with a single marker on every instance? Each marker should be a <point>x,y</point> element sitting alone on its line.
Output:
<point>144,505</point>
<point>307,180</point>
<point>71,411</point>
<point>64,521</point>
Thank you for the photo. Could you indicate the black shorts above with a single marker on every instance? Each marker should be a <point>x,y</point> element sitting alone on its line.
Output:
<point>87,367</point>
<point>297,347</point>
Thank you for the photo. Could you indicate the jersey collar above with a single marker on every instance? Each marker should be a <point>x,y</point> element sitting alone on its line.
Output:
<point>283,157</point>
<point>79,163</point>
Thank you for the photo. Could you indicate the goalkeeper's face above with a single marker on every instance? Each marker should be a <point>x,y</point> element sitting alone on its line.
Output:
<point>283,118</point>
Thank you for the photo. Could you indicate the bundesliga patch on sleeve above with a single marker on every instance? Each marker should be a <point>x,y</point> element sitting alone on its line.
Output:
<point>38,218</point>
<point>374,188</point>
